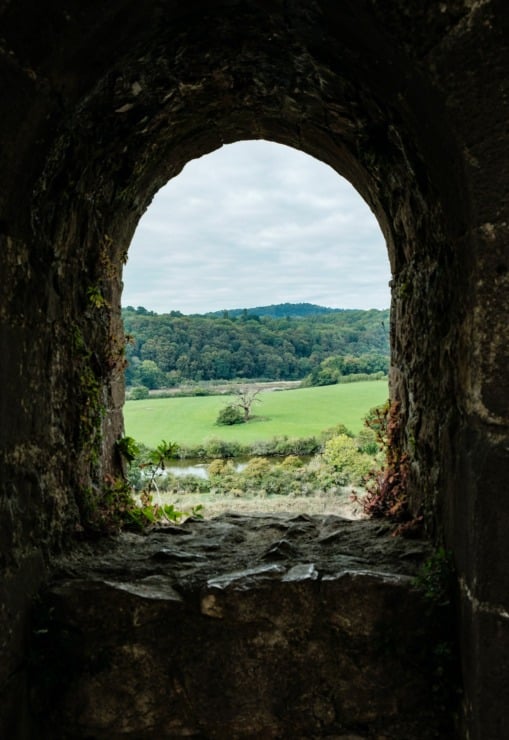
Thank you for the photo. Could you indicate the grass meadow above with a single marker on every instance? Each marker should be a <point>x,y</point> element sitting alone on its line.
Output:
<point>303,412</point>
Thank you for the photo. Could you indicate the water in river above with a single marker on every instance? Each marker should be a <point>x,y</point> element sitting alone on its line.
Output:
<point>199,468</point>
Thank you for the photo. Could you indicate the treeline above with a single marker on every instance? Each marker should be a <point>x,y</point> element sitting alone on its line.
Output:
<point>166,349</point>
<point>279,310</point>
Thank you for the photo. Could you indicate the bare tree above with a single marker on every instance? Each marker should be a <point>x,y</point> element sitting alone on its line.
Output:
<point>245,399</point>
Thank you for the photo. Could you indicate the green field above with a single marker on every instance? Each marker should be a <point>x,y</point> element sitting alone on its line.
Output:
<point>303,412</point>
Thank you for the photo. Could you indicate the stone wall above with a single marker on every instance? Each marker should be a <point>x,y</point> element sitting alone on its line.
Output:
<point>102,105</point>
<point>265,627</point>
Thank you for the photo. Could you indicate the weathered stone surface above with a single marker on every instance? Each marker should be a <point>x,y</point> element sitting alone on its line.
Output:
<point>327,641</point>
<point>103,103</point>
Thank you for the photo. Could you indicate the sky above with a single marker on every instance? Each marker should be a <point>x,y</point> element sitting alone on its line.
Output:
<point>253,224</point>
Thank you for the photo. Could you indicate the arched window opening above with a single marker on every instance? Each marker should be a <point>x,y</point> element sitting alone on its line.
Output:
<point>257,269</point>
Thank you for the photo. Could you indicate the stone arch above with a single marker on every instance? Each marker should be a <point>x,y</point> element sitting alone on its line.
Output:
<point>106,104</point>
<point>276,78</point>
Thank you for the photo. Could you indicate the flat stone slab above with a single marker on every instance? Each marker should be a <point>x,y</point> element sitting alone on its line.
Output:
<point>202,549</point>
<point>269,626</point>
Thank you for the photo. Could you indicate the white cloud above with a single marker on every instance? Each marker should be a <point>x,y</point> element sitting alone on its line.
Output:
<point>256,223</point>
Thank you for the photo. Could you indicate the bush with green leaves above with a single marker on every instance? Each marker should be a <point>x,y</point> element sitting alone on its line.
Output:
<point>115,507</point>
<point>292,462</point>
<point>283,446</point>
<point>216,447</point>
<point>257,468</point>
<point>367,441</point>
<point>335,431</point>
<point>146,465</point>
<point>138,393</point>
<point>220,466</point>
<point>342,455</point>
<point>343,462</point>
<point>191,484</point>
<point>230,415</point>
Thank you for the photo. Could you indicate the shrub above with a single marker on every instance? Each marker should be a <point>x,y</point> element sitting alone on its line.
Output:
<point>219,466</point>
<point>291,462</point>
<point>192,484</point>
<point>198,451</point>
<point>367,441</point>
<point>138,393</point>
<point>305,446</point>
<point>222,448</point>
<point>230,415</point>
<point>342,455</point>
<point>335,431</point>
<point>257,468</point>
<point>262,448</point>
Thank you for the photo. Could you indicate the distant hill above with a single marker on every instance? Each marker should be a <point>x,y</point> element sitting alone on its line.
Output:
<point>277,311</point>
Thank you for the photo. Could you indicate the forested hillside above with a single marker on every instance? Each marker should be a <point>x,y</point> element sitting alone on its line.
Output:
<point>166,349</point>
<point>278,310</point>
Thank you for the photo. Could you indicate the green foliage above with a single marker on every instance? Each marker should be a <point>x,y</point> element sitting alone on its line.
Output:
<point>338,369</point>
<point>138,393</point>
<point>149,513</point>
<point>239,411</point>
<point>335,431</point>
<point>436,578</point>
<point>149,375</point>
<point>154,462</point>
<point>87,394</point>
<point>219,466</point>
<point>301,413</point>
<point>202,348</point>
<point>96,298</point>
<point>215,447</point>
<point>275,311</point>
<point>342,454</point>
<point>367,441</point>
<point>264,476</point>
<point>163,452</point>
<point>128,448</point>
<point>292,462</point>
<point>376,421</point>
<point>279,446</point>
<point>115,507</point>
<point>257,467</point>
<point>107,511</point>
<point>229,415</point>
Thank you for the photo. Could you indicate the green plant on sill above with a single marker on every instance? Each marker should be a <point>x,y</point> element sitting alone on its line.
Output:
<point>156,460</point>
<point>115,508</point>
<point>149,513</point>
